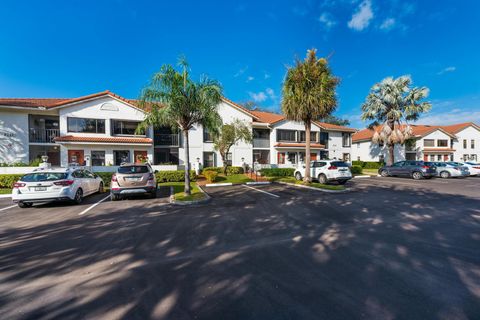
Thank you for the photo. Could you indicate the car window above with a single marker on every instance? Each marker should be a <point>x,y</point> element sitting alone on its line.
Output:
<point>88,174</point>
<point>44,176</point>
<point>319,164</point>
<point>411,163</point>
<point>78,174</point>
<point>132,169</point>
<point>399,164</point>
<point>340,164</point>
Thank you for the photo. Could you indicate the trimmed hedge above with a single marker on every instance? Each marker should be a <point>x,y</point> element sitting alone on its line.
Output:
<point>7,180</point>
<point>174,176</point>
<point>357,169</point>
<point>216,169</point>
<point>210,175</point>
<point>106,177</point>
<point>277,172</point>
<point>234,170</point>
<point>368,164</point>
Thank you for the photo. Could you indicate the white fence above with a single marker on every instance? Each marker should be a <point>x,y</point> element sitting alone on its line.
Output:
<point>23,170</point>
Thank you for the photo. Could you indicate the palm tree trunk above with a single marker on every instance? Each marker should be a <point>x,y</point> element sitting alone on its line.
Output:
<point>391,146</point>
<point>307,152</point>
<point>187,164</point>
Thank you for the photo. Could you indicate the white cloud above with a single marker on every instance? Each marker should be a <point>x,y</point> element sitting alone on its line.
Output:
<point>446,70</point>
<point>258,97</point>
<point>271,93</point>
<point>362,17</point>
<point>387,24</point>
<point>240,72</point>
<point>266,75</point>
<point>250,78</point>
<point>327,20</point>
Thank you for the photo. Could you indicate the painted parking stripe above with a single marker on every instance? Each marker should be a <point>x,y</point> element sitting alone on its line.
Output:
<point>93,205</point>
<point>263,191</point>
<point>8,207</point>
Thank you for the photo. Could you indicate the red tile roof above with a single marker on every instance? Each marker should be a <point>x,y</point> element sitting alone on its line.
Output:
<point>104,139</point>
<point>298,145</point>
<point>334,127</point>
<point>438,150</point>
<point>418,130</point>
<point>268,117</point>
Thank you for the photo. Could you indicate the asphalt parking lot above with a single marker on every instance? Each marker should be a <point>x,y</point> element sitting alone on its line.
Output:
<point>392,248</point>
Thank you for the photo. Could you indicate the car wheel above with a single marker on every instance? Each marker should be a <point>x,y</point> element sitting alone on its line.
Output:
<point>114,197</point>
<point>445,174</point>
<point>417,175</point>
<point>298,176</point>
<point>384,173</point>
<point>78,196</point>
<point>22,204</point>
<point>153,194</point>
<point>101,189</point>
<point>322,178</point>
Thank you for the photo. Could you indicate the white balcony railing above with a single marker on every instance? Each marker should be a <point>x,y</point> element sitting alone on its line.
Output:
<point>43,135</point>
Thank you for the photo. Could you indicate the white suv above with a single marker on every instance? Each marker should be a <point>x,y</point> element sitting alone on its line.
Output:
<point>55,185</point>
<point>326,170</point>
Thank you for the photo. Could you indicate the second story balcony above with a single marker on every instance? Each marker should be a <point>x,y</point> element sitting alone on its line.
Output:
<point>43,135</point>
<point>261,143</point>
<point>166,140</point>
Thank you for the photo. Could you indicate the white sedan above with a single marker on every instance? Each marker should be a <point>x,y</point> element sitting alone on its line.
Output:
<point>474,168</point>
<point>55,185</point>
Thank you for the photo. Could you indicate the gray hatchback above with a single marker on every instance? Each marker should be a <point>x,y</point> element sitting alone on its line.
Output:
<point>414,169</point>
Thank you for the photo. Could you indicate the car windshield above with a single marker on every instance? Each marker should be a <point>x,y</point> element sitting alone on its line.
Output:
<point>432,164</point>
<point>132,169</point>
<point>340,164</point>
<point>472,163</point>
<point>456,164</point>
<point>44,176</point>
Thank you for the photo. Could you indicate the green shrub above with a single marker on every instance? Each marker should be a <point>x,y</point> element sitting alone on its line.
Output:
<point>210,175</point>
<point>35,162</point>
<point>106,177</point>
<point>368,164</point>
<point>277,172</point>
<point>216,169</point>
<point>14,164</point>
<point>357,169</point>
<point>234,170</point>
<point>173,176</point>
<point>7,180</point>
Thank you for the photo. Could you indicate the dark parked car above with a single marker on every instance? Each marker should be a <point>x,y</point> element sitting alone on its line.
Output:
<point>415,169</point>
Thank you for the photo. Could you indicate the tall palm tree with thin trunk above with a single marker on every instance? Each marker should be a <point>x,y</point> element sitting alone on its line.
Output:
<point>175,100</point>
<point>309,95</point>
<point>390,103</point>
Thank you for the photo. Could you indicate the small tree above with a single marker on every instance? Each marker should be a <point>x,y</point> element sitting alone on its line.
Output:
<point>308,95</point>
<point>389,103</point>
<point>175,100</point>
<point>230,135</point>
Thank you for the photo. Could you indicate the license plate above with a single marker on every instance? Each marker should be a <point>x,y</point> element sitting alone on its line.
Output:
<point>132,179</point>
<point>40,188</point>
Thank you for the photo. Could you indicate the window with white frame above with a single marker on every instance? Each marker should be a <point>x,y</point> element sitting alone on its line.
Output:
<point>442,143</point>
<point>428,143</point>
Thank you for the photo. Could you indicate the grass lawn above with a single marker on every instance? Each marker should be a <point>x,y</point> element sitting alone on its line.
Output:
<point>178,191</point>
<point>311,184</point>
<point>233,178</point>
<point>5,191</point>
<point>372,172</point>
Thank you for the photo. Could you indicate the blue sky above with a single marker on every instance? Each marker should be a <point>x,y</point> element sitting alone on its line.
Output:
<point>73,48</point>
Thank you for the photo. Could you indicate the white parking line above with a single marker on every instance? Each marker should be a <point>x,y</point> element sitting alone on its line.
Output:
<point>8,207</point>
<point>93,206</point>
<point>271,194</point>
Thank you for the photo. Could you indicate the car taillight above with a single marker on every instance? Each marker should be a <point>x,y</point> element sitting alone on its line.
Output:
<point>332,168</point>
<point>426,167</point>
<point>476,168</point>
<point>18,185</point>
<point>150,177</point>
<point>64,183</point>
<point>114,178</point>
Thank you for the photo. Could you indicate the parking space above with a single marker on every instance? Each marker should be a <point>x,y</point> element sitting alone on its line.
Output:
<point>262,252</point>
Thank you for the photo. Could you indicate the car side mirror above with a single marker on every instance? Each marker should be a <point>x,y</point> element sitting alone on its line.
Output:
<point>156,171</point>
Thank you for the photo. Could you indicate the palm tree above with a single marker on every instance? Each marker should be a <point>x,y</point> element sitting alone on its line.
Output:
<point>389,103</point>
<point>308,95</point>
<point>175,100</point>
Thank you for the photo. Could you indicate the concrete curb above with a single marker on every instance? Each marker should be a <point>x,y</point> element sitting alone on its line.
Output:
<point>189,203</point>
<point>313,188</point>
<point>5,195</point>
<point>362,177</point>
<point>253,183</point>
<point>219,184</point>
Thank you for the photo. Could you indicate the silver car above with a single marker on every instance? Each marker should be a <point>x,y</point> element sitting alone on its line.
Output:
<point>451,170</point>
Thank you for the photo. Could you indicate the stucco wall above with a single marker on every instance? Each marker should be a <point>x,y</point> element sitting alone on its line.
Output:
<point>13,137</point>
<point>469,133</point>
